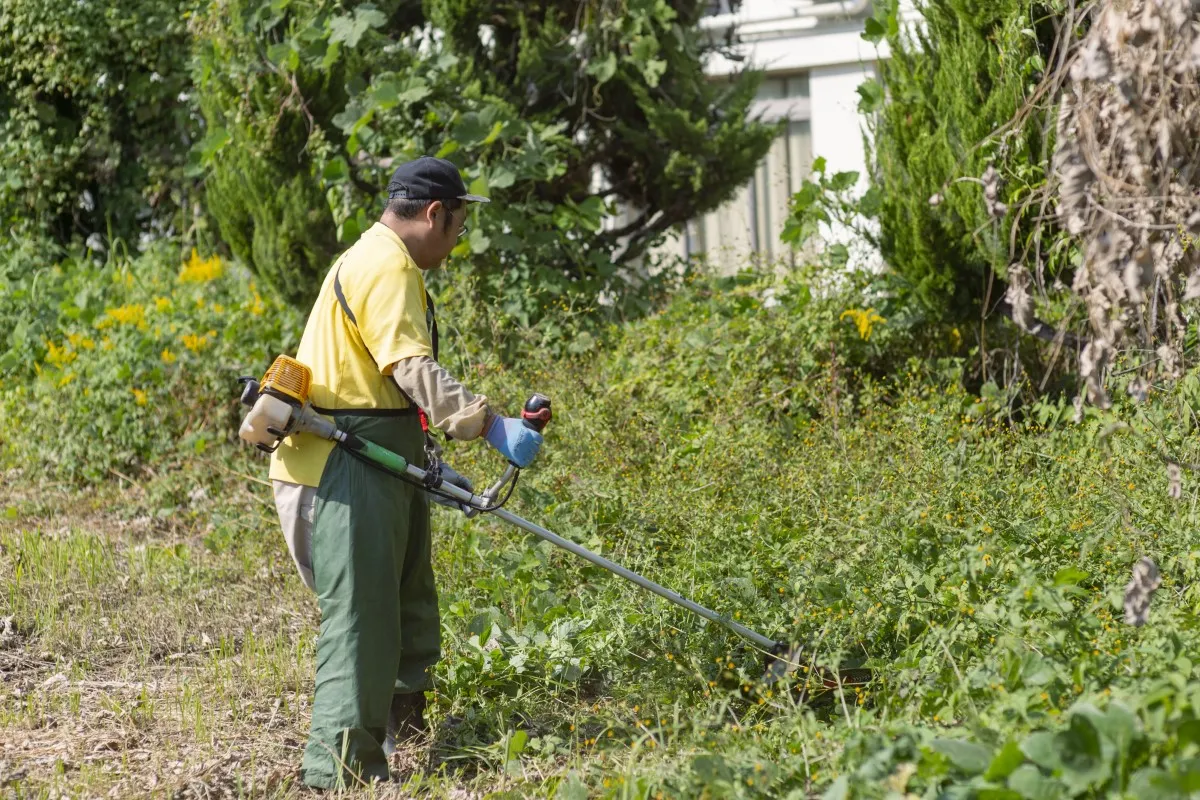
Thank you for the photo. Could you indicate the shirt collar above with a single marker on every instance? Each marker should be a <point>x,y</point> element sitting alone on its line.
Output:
<point>379,229</point>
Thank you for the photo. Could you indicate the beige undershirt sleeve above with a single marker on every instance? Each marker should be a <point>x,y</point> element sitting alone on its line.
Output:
<point>448,404</point>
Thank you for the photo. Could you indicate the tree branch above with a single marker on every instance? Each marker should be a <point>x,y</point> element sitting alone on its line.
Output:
<point>1042,330</point>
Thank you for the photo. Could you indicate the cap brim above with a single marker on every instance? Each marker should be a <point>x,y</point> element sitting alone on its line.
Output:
<point>473,198</point>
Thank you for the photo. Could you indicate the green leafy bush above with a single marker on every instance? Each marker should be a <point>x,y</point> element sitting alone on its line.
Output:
<point>95,118</point>
<point>976,562</point>
<point>127,361</point>
<point>309,104</point>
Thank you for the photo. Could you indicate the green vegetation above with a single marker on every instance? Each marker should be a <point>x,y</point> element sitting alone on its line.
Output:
<point>827,456</point>
<point>740,444</point>
<point>93,134</point>
<point>141,355</point>
<point>309,103</point>
<point>950,102</point>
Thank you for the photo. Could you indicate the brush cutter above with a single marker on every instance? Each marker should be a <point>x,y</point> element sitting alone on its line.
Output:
<point>279,407</point>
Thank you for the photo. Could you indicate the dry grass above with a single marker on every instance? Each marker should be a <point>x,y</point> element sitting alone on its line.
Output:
<point>153,657</point>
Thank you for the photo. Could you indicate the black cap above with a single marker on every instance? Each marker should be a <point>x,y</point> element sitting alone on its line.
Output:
<point>429,178</point>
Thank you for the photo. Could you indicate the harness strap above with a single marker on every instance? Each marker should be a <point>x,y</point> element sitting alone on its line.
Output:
<point>413,408</point>
<point>430,317</point>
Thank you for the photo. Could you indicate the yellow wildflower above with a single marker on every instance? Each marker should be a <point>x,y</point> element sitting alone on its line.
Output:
<point>139,396</point>
<point>864,320</point>
<point>65,379</point>
<point>59,356</point>
<point>201,270</point>
<point>162,304</point>
<point>195,343</point>
<point>257,308</point>
<point>168,357</point>
<point>132,314</point>
<point>218,308</point>
<point>106,343</point>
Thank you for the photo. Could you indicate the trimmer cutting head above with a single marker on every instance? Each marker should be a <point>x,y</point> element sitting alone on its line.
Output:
<point>793,663</point>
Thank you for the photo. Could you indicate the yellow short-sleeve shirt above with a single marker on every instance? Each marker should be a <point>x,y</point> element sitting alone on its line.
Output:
<point>351,360</point>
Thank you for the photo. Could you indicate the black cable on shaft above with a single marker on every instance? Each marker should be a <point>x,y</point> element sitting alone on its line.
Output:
<point>431,490</point>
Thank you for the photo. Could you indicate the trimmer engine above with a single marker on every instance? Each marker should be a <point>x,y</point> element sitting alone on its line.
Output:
<point>279,406</point>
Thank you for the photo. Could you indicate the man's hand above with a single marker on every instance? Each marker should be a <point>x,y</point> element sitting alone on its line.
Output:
<point>513,440</point>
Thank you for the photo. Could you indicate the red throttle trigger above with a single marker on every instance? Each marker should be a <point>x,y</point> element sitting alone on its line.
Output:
<point>536,412</point>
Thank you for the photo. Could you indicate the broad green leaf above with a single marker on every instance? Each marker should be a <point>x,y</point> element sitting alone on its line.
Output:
<point>1070,576</point>
<point>331,55</point>
<point>838,790</point>
<point>348,231</point>
<point>572,788</point>
<point>349,116</point>
<point>516,744</point>
<point>653,70</point>
<point>213,142</point>
<point>386,93</point>
<point>969,757</point>
<point>1189,732</point>
<point>871,96</point>
<point>1189,775</point>
<point>1041,749</point>
<point>1081,754</point>
<point>841,181</point>
<point>501,177</point>
<point>710,767</point>
<point>478,241</point>
<point>994,793</point>
<point>1005,762</point>
<point>604,69</point>
<point>1117,723</point>
<point>1151,783</point>
<point>279,52</point>
<point>1033,785</point>
<point>417,90</point>
<point>494,133</point>
<point>582,343</point>
<point>873,31</point>
<point>479,186</point>
<point>349,29</point>
<point>336,170</point>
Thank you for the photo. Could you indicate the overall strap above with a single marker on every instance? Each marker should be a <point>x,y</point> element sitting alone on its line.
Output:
<point>430,314</point>
<point>430,321</point>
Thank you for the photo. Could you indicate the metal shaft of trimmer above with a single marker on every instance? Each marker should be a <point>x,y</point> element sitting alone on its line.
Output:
<point>601,561</point>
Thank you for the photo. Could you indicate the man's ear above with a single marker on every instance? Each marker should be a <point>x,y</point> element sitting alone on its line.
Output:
<point>432,211</point>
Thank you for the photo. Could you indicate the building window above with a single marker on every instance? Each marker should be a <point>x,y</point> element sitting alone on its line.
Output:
<point>751,221</point>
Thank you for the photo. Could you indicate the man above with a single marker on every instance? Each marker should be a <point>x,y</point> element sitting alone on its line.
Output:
<point>360,537</point>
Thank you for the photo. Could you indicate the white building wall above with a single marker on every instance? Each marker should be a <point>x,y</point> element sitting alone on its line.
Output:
<point>837,126</point>
<point>819,42</point>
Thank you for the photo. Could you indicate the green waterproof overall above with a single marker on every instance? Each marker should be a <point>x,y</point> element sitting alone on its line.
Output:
<point>380,632</point>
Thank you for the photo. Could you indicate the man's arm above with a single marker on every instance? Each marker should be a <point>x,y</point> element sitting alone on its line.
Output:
<point>450,406</point>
